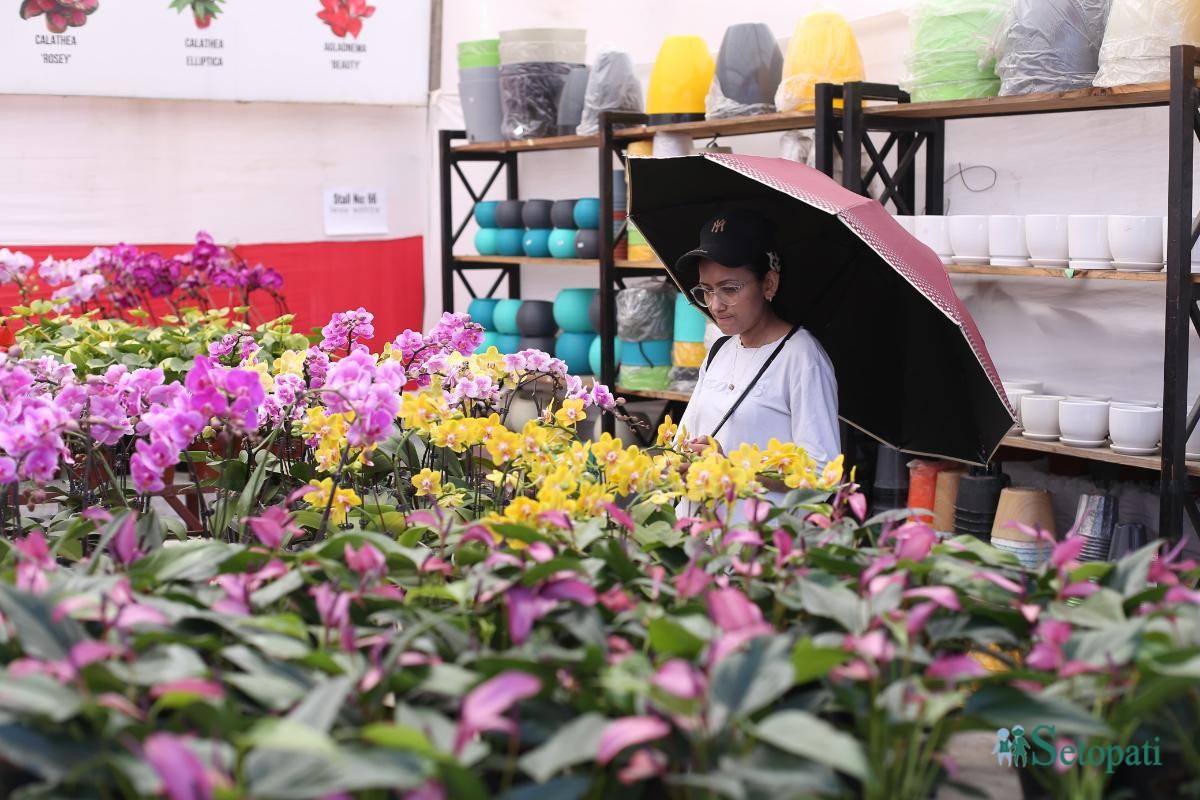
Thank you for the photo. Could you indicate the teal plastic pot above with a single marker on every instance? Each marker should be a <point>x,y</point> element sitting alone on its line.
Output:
<point>574,349</point>
<point>508,342</point>
<point>587,213</point>
<point>537,243</point>
<point>505,317</point>
<point>485,213</point>
<point>490,339</point>
<point>655,353</point>
<point>562,243</point>
<point>483,311</point>
<point>510,241</point>
<point>690,323</point>
<point>594,354</point>
<point>487,241</point>
<point>571,310</point>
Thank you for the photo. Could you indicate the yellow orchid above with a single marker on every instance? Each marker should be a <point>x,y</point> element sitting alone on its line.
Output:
<point>666,433</point>
<point>570,413</point>
<point>427,483</point>
<point>343,500</point>
<point>290,362</point>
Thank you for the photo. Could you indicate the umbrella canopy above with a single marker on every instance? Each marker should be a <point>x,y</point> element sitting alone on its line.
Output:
<point>912,369</point>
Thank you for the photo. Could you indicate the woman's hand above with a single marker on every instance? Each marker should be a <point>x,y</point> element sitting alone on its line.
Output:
<point>701,443</point>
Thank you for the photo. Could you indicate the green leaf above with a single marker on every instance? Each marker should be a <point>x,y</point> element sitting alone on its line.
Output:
<point>575,743</point>
<point>1104,609</point>
<point>48,757</point>
<point>39,695</point>
<point>171,662</point>
<point>400,737</point>
<point>669,638</point>
<point>834,602</point>
<point>750,680</point>
<point>249,496</point>
<point>324,702</point>
<point>1005,705</point>
<point>194,560</point>
<point>566,788</point>
<point>33,618</point>
<point>1130,574</point>
<point>812,662</point>
<point>713,784</point>
<point>519,533</point>
<point>545,569</point>
<point>803,734</point>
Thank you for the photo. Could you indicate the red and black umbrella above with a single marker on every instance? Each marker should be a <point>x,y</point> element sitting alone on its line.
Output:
<point>912,369</point>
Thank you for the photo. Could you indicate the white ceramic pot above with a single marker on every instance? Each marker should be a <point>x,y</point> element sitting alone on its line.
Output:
<point>906,222</point>
<point>969,236</point>
<point>1135,427</point>
<point>934,233</point>
<point>1097,398</point>
<point>1083,420</point>
<point>1136,403</point>
<point>1046,236</point>
<point>1136,240</point>
<point>1039,414</point>
<point>1034,386</point>
<point>1014,399</point>
<point>1087,237</point>
<point>1006,237</point>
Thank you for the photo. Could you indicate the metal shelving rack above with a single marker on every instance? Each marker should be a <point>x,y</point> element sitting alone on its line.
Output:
<point>844,130</point>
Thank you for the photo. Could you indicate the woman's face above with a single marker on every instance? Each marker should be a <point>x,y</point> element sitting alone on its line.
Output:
<point>749,302</point>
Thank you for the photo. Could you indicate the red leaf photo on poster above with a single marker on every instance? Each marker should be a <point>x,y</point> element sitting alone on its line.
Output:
<point>345,16</point>
<point>60,14</point>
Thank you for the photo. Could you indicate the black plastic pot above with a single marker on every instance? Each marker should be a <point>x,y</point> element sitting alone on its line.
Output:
<point>562,214</point>
<point>536,213</point>
<point>536,318</point>
<point>508,214</point>
<point>891,469</point>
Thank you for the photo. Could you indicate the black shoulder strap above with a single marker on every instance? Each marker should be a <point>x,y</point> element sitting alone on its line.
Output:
<point>717,345</point>
<point>762,371</point>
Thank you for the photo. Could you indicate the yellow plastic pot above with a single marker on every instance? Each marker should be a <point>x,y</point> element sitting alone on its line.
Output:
<point>679,83</point>
<point>822,50</point>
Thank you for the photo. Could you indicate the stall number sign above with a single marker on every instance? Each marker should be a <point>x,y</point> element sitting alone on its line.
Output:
<point>355,212</point>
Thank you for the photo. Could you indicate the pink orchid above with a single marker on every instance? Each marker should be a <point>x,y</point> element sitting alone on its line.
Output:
<point>999,580</point>
<point>1067,552</point>
<point>619,649</point>
<point>877,566</point>
<point>1030,611</point>
<point>919,616</point>
<point>627,732</point>
<point>680,678</point>
<point>820,520</point>
<point>858,505</point>
<point>742,536</point>
<point>558,519</point>
<point>944,596</point>
<point>643,765</point>
<point>1080,589</point>
<point>429,790</point>
<point>1035,532</point>
<point>238,588</point>
<point>954,668</point>
<point>1164,570</point>
<point>856,670</point>
<point>526,606</point>
<point>124,544</point>
<point>882,582</point>
<point>756,510</point>
<point>738,618</point>
<point>914,541</point>
<point>617,600</point>
<point>333,607</point>
<point>121,704</point>
<point>183,774</point>
<point>783,546</point>
<point>691,582</point>
<point>540,552</point>
<point>1182,594</point>
<point>1047,654</point>
<point>367,561</point>
<point>484,708</point>
<point>478,533</point>
<point>274,527</point>
<point>36,561</point>
<point>657,574</point>
<point>618,515</point>
<point>874,645</point>
<point>748,569</point>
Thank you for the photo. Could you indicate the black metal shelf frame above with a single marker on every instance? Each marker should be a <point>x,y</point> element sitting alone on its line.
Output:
<point>842,130</point>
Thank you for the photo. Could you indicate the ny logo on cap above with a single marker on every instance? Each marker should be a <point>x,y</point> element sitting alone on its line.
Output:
<point>718,226</point>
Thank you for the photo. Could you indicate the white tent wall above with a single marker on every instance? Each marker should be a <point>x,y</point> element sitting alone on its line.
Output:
<point>93,170</point>
<point>1082,337</point>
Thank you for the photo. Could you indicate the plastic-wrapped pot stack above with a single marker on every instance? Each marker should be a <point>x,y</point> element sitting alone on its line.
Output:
<point>953,44</point>
<point>611,86</point>
<point>822,49</point>
<point>1052,45</point>
<point>688,351</point>
<point>535,64</point>
<point>645,327</point>
<point>1138,39</point>
<point>749,68</point>
<point>479,88</point>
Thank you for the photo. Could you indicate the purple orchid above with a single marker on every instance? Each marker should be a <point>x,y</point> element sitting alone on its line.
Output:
<point>485,707</point>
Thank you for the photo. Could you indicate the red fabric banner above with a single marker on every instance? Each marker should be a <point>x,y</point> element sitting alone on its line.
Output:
<point>386,277</point>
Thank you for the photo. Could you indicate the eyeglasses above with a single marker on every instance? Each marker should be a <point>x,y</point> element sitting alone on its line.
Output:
<point>728,294</point>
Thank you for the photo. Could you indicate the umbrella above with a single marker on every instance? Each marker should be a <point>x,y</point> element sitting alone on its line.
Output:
<point>912,369</point>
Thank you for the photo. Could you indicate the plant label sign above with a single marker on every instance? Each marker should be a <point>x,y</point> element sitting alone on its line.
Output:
<point>355,212</point>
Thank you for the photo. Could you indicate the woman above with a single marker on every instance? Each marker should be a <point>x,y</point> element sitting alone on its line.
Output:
<point>766,379</point>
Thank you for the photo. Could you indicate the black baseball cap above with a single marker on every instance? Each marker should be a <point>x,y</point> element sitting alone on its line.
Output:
<point>732,238</point>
